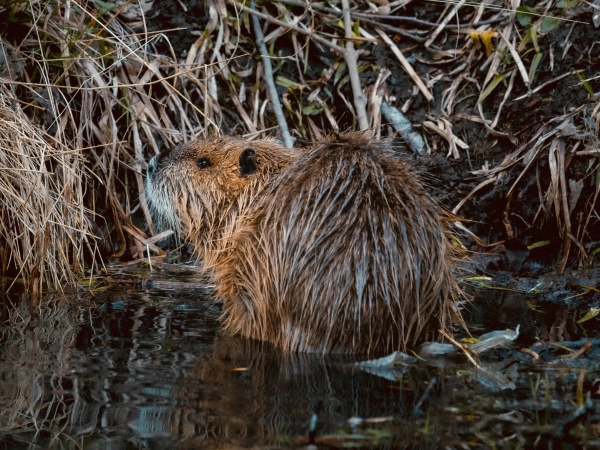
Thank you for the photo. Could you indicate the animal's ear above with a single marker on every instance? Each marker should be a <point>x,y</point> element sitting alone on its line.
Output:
<point>247,162</point>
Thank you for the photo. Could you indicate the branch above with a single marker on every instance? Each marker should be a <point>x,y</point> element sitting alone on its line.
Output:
<point>360,101</point>
<point>264,54</point>
<point>309,33</point>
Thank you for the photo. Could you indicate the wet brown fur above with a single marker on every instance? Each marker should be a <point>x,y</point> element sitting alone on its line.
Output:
<point>339,249</point>
<point>204,205</point>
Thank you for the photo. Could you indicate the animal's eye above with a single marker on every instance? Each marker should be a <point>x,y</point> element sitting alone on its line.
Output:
<point>203,163</point>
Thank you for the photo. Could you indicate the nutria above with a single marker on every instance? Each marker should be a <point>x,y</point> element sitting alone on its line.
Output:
<point>202,188</point>
<point>336,249</point>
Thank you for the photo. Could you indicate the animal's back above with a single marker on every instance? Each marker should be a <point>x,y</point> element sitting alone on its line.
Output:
<point>345,252</point>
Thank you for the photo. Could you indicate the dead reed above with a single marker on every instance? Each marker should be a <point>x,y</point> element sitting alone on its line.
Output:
<point>44,224</point>
<point>93,86</point>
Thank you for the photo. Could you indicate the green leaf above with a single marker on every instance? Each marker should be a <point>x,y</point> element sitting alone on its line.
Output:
<point>525,15</point>
<point>566,4</point>
<point>339,72</point>
<point>287,83</point>
<point>345,79</point>
<point>106,6</point>
<point>549,23</point>
<point>534,65</point>
<point>311,110</point>
<point>593,312</point>
<point>525,40</point>
<point>586,84</point>
<point>490,87</point>
<point>538,244</point>
<point>246,19</point>
<point>533,34</point>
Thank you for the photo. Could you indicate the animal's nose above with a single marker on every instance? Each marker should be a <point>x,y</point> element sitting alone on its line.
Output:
<point>152,166</point>
<point>156,160</point>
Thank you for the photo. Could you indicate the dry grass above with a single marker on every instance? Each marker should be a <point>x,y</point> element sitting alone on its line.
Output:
<point>94,82</point>
<point>98,89</point>
<point>44,225</point>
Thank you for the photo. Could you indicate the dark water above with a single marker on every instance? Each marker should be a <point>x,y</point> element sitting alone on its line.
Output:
<point>151,369</point>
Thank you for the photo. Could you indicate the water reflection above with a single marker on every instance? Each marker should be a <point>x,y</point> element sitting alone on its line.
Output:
<point>152,370</point>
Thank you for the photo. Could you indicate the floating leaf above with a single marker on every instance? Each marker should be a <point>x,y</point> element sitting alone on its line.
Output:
<point>479,278</point>
<point>593,312</point>
<point>538,244</point>
<point>494,339</point>
<point>497,288</point>
<point>562,347</point>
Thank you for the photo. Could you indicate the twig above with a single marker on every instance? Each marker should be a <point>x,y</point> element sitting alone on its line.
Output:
<point>310,34</point>
<point>560,153</point>
<point>380,17</point>
<point>350,55</point>
<point>461,348</point>
<point>542,86</point>
<point>475,189</point>
<point>442,25</point>
<point>444,129</point>
<point>518,61</point>
<point>511,82</point>
<point>403,126</point>
<point>264,54</point>
<point>405,64</point>
<point>392,29</point>
<point>587,346</point>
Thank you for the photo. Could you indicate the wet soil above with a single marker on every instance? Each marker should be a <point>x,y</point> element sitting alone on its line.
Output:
<point>523,216</point>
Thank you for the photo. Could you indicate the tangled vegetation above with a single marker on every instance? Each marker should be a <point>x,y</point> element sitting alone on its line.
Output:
<point>91,90</point>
